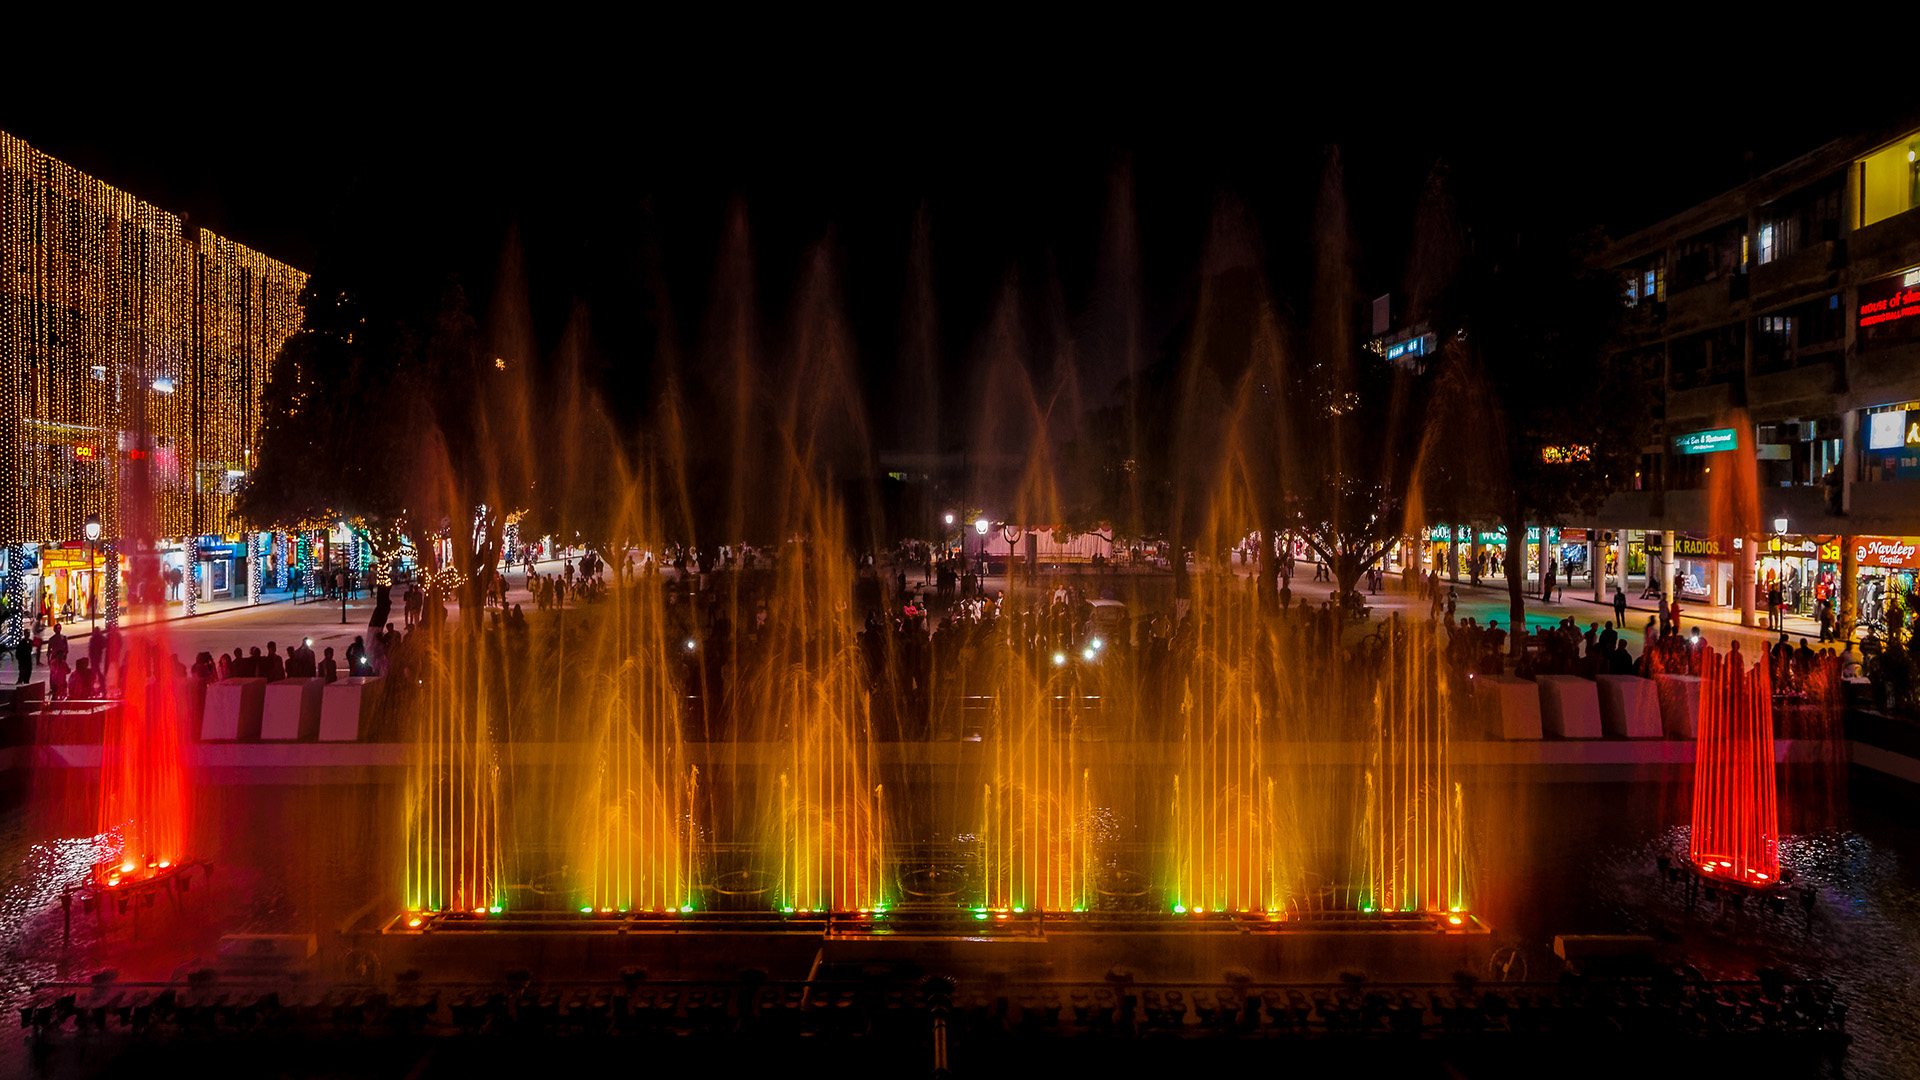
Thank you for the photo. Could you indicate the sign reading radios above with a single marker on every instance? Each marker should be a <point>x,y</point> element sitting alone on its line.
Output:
<point>1706,442</point>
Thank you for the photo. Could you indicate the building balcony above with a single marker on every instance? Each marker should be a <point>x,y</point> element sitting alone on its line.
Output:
<point>1811,384</point>
<point>1884,508</point>
<point>1784,280</point>
<point>1803,506</point>
<point>1885,375</point>
<point>1700,402</point>
<point>1704,305</point>
<point>1885,246</point>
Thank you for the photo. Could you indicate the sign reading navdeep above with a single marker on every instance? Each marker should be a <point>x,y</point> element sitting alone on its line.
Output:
<point>1706,442</point>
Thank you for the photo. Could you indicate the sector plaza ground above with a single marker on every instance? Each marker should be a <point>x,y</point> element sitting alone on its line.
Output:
<point>285,620</point>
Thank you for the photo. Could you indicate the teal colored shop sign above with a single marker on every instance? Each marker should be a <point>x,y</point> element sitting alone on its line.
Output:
<point>1707,442</point>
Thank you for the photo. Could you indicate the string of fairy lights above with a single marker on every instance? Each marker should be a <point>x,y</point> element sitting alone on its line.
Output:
<point>123,340</point>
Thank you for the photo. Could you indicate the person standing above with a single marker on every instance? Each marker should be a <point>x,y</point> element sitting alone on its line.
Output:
<point>96,653</point>
<point>1620,605</point>
<point>23,656</point>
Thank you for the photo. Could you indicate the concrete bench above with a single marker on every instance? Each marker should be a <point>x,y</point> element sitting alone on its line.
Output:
<point>292,709</point>
<point>1630,707</point>
<point>347,705</point>
<point>1680,704</point>
<point>233,710</point>
<point>1570,707</point>
<point>1509,708</point>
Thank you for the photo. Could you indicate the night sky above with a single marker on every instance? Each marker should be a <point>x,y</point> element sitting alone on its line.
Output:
<point>626,176</point>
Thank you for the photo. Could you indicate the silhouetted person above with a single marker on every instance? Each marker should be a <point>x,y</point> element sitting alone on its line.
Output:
<point>1619,605</point>
<point>273,665</point>
<point>329,670</point>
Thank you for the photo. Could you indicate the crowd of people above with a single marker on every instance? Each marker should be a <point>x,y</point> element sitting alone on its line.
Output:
<point>925,646</point>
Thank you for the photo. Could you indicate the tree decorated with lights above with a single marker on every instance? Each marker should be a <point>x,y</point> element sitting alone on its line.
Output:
<point>337,418</point>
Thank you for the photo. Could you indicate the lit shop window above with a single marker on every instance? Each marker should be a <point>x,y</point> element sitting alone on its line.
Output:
<point>1890,181</point>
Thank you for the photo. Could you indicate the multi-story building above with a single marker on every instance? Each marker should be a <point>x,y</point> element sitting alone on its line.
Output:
<point>1781,324</point>
<point>133,356</point>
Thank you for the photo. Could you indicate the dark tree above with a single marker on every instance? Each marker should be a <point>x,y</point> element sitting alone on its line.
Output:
<point>334,440</point>
<point>1542,420</point>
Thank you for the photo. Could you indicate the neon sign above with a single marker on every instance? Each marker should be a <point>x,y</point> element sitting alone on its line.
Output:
<point>1707,442</point>
<point>1561,455</point>
<point>1902,302</point>
<point>83,451</point>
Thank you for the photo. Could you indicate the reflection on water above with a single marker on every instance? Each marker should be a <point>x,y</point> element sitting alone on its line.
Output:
<point>1578,858</point>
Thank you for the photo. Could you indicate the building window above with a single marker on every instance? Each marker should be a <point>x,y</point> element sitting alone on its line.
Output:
<point>1769,244</point>
<point>1890,180</point>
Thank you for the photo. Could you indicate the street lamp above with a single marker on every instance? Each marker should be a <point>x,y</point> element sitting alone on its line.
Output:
<point>93,592</point>
<point>341,538</point>
<point>980,526</point>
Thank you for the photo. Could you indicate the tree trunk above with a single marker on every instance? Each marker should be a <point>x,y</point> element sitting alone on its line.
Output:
<point>1516,566</point>
<point>1346,571</point>
<point>1269,571</point>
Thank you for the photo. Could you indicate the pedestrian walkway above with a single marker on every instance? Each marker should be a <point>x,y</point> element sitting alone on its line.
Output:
<point>1795,625</point>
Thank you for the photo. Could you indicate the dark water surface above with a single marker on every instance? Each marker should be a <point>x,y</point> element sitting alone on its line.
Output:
<point>1551,859</point>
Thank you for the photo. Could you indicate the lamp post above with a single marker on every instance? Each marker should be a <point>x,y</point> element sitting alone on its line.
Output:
<point>93,590</point>
<point>980,526</point>
<point>342,537</point>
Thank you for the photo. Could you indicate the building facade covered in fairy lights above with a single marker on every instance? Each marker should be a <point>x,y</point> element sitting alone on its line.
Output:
<point>133,356</point>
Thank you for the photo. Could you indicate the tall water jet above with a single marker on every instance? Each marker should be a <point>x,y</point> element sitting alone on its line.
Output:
<point>143,789</point>
<point>1736,817</point>
<point>1413,820</point>
<point>1037,844</point>
<point>454,856</point>
<point>1235,838</point>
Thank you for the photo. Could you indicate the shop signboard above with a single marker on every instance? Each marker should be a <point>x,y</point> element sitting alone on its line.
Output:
<point>1893,429</point>
<point>1573,536</point>
<point>1440,534</point>
<point>1892,551</point>
<point>1707,442</point>
<point>1830,550</point>
<point>1702,547</point>
<point>1804,546</point>
<point>1890,309</point>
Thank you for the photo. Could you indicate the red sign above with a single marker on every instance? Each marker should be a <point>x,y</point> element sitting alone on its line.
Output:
<point>1896,551</point>
<point>1904,304</point>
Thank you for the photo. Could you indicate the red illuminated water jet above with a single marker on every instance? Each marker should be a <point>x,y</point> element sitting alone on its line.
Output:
<point>1736,815</point>
<point>143,792</point>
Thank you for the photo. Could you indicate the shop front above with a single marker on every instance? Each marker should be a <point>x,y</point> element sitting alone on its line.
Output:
<point>1887,566</point>
<point>1793,563</point>
<point>1704,569</point>
<point>1570,547</point>
<point>73,581</point>
<point>220,561</point>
